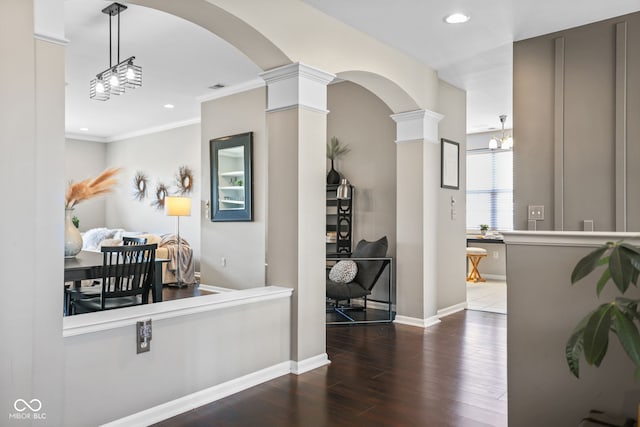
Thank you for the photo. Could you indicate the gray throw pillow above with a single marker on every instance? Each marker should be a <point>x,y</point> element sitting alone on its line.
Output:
<point>343,271</point>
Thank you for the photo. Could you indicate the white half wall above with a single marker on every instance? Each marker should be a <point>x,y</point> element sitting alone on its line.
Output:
<point>197,343</point>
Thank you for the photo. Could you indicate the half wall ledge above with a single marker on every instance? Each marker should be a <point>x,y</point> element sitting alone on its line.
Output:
<point>113,319</point>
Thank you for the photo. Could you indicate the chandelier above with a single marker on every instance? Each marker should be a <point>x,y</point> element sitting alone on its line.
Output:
<point>506,142</point>
<point>123,75</point>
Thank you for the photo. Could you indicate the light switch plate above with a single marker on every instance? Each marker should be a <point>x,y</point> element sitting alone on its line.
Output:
<point>143,336</point>
<point>535,212</point>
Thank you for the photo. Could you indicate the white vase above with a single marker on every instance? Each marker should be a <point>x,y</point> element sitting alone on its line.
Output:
<point>72,236</point>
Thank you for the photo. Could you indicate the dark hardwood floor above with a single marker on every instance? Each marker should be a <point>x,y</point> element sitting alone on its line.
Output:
<point>451,374</point>
<point>172,292</point>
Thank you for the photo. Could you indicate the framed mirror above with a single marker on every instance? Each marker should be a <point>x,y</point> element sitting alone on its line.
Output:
<point>231,177</point>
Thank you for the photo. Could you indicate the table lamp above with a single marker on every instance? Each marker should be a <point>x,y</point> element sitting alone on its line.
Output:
<point>177,206</point>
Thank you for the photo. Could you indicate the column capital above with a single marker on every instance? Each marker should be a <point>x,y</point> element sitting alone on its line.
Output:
<point>418,125</point>
<point>297,85</point>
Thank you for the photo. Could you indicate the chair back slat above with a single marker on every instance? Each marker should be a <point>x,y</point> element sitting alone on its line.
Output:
<point>127,271</point>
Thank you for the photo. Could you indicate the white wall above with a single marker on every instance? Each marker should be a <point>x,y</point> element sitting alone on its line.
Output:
<point>86,159</point>
<point>215,341</point>
<point>159,156</point>
<point>242,244</point>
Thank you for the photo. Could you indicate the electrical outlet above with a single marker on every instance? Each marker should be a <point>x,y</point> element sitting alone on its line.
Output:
<point>496,255</point>
<point>535,212</point>
<point>223,261</point>
<point>143,336</point>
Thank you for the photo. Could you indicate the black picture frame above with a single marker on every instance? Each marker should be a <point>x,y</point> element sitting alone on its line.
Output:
<point>232,177</point>
<point>449,164</point>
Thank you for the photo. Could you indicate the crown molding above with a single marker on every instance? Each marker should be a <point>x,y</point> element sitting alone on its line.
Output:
<point>84,137</point>
<point>50,38</point>
<point>141,132</point>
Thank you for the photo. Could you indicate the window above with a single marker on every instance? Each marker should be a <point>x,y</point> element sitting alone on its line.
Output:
<point>490,189</point>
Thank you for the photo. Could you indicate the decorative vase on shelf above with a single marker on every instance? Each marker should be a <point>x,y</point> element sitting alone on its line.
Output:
<point>72,236</point>
<point>333,177</point>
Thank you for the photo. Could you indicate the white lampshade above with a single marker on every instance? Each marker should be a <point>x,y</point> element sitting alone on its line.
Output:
<point>177,206</point>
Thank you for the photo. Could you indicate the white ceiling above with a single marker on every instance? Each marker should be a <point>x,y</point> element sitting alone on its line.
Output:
<point>180,60</point>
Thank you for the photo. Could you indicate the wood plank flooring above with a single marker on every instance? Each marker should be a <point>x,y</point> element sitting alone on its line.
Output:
<point>451,374</point>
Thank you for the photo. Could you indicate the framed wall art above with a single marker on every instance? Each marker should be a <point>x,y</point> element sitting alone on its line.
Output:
<point>449,164</point>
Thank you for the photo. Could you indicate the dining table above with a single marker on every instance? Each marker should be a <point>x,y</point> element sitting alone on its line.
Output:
<point>87,265</point>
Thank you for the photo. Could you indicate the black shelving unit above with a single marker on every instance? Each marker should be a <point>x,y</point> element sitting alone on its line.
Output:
<point>339,222</point>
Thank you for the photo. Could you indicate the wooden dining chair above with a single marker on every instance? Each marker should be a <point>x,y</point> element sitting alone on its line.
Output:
<point>127,277</point>
<point>132,241</point>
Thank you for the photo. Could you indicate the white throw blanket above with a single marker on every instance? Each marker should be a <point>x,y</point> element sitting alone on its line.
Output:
<point>184,260</point>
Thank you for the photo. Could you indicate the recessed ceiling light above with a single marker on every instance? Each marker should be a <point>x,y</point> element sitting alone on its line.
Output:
<point>456,18</point>
<point>84,129</point>
<point>168,106</point>
<point>216,86</point>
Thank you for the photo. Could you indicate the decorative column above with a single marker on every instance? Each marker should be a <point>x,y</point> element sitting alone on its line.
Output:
<point>418,166</point>
<point>297,135</point>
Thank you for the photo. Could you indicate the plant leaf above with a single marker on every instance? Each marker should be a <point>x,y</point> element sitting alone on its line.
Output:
<point>574,347</point>
<point>587,264</point>
<point>596,335</point>
<point>606,275</point>
<point>627,335</point>
<point>621,268</point>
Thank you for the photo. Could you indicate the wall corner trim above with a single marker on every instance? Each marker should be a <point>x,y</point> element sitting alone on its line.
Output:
<point>418,125</point>
<point>296,84</point>
<point>414,321</point>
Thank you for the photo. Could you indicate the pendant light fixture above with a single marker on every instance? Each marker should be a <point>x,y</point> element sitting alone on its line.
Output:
<point>123,75</point>
<point>506,142</point>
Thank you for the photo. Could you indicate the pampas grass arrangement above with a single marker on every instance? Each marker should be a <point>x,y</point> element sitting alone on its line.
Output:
<point>90,188</point>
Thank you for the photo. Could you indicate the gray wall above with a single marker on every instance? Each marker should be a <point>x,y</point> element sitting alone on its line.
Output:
<point>543,310</point>
<point>360,119</point>
<point>159,155</point>
<point>86,159</point>
<point>242,244</point>
<point>569,117</point>
<point>451,233</point>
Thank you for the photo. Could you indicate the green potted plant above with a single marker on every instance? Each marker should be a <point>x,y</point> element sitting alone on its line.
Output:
<point>334,150</point>
<point>484,228</point>
<point>619,317</point>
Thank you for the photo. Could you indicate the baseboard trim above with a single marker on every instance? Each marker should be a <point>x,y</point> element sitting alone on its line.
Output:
<point>414,321</point>
<point>495,276</point>
<point>309,364</point>
<point>452,309</point>
<point>202,397</point>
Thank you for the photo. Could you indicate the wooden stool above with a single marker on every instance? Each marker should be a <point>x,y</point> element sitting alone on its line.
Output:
<point>475,255</point>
